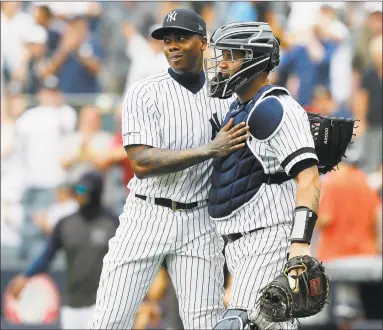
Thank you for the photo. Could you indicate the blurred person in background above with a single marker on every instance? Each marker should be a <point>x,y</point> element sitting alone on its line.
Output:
<point>65,204</point>
<point>116,64</point>
<point>27,72</point>
<point>150,315</point>
<point>309,58</point>
<point>349,210</point>
<point>322,102</point>
<point>12,185</point>
<point>77,61</point>
<point>15,26</point>
<point>350,225</point>
<point>84,237</point>
<point>149,59</point>
<point>368,108</point>
<point>44,17</point>
<point>371,27</point>
<point>85,148</point>
<point>115,158</point>
<point>39,134</point>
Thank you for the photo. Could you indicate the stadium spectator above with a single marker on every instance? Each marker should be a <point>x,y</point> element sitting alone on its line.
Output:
<point>371,27</point>
<point>149,313</point>
<point>149,60</point>
<point>84,237</point>
<point>64,205</point>
<point>77,61</point>
<point>15,26</point>
<point>27,72</point>
<point>84,149</point>
<point>309,59</point>
<point>115,158</point>
<point>39,133</point>
<point>348,210</point>
<point>44,17</point>
<point>12,184</point>
<point>323,102</point>
<point>368,108</point>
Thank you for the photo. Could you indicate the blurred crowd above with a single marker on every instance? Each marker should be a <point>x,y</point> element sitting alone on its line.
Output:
<point>331,61</point>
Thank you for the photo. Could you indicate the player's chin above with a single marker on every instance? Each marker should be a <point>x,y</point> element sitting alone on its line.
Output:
<point>178,64</point>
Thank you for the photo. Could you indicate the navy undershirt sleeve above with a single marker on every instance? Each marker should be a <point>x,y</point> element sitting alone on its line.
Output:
<point>42,262</point>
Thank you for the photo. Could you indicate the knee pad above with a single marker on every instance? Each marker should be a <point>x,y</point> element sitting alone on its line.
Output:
<point>233,319</point>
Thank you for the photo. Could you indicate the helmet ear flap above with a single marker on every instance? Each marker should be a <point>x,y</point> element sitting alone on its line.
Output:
<point>274,58</point>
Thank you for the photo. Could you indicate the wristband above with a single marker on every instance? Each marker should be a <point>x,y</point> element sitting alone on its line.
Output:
<point>303,225</point>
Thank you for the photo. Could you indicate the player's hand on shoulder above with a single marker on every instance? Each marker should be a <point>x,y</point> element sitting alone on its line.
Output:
<point>229,139</point>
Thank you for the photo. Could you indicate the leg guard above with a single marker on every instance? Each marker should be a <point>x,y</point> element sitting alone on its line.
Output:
<point>233,319</point>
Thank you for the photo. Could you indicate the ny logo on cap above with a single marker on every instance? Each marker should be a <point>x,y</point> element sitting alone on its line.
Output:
<point>172,16</point>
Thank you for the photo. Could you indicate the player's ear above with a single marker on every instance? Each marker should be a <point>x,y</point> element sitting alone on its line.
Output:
<point>203,43</point>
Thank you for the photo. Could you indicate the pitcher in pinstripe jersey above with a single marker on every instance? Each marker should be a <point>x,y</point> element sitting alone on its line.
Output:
<point>263,197</point>
<point>170,135</point>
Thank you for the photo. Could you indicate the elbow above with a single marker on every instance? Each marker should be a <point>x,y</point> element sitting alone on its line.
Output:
<point>140,171</point>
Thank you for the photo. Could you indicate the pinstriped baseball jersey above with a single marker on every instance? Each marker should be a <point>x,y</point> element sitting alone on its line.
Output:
<point>159,112</point>
<point>290,143</point>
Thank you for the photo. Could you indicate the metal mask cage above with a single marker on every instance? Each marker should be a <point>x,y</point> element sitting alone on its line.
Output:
<point>216,79</point>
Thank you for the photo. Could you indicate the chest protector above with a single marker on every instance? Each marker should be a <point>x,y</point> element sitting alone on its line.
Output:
<point>237,178</point>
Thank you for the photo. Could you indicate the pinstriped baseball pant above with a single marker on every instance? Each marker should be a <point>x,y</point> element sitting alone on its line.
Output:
<point>147,235</point>
<point>254,261</point>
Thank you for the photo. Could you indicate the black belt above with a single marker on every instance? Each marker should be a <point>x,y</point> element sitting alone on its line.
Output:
<point>234,237</point>
<point>171,204</point>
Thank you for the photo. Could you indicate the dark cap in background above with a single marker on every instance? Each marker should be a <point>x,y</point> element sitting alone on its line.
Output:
<point>181,19</point>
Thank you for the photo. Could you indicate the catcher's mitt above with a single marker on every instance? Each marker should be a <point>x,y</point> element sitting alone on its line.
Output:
<point>286,298</point>
<point>331,137</point>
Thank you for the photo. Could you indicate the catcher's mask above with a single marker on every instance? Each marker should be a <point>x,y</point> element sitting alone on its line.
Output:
<point>261,54</point>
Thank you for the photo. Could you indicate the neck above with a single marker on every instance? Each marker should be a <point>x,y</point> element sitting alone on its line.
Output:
<point>192,72</point>
<point>251,88</point>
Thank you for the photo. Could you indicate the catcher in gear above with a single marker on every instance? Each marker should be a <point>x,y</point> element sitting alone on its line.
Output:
<point>265,196</point>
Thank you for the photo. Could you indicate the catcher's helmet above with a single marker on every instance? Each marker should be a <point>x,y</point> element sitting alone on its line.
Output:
<point>261,49</point>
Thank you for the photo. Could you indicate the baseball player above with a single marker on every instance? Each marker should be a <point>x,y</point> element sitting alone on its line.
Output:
<point>170,133</point>
<point>84,237</point>
<point>264,197</point>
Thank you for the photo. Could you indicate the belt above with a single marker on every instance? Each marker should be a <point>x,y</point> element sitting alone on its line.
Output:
<point>170,204</point>
<point>233,237</point>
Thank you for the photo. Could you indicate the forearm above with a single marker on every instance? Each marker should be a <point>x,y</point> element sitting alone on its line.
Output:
<point>91,64</point>
<point>308,191</point>
<point>147,161</point>
<point>307,201</point>
<point>55,64</point>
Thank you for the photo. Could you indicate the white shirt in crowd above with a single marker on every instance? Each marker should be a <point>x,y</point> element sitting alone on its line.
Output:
<point>40,133</point>
<point>144,63</point>
<point>11,215</point>
<point>99,145</point>
<point>13,33</point>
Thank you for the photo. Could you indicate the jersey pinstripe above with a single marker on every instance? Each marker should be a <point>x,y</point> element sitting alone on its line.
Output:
<point>287,145</point>
<point>161,113</point>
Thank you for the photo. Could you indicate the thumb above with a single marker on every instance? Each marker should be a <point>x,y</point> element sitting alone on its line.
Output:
<point>228,125</point>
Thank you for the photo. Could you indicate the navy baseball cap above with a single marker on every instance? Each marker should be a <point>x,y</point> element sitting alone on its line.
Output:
<point>181,19</point>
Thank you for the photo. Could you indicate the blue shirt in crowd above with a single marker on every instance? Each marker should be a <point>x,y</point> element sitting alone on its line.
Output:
<point>310,74</point>
<point>74,77</point>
